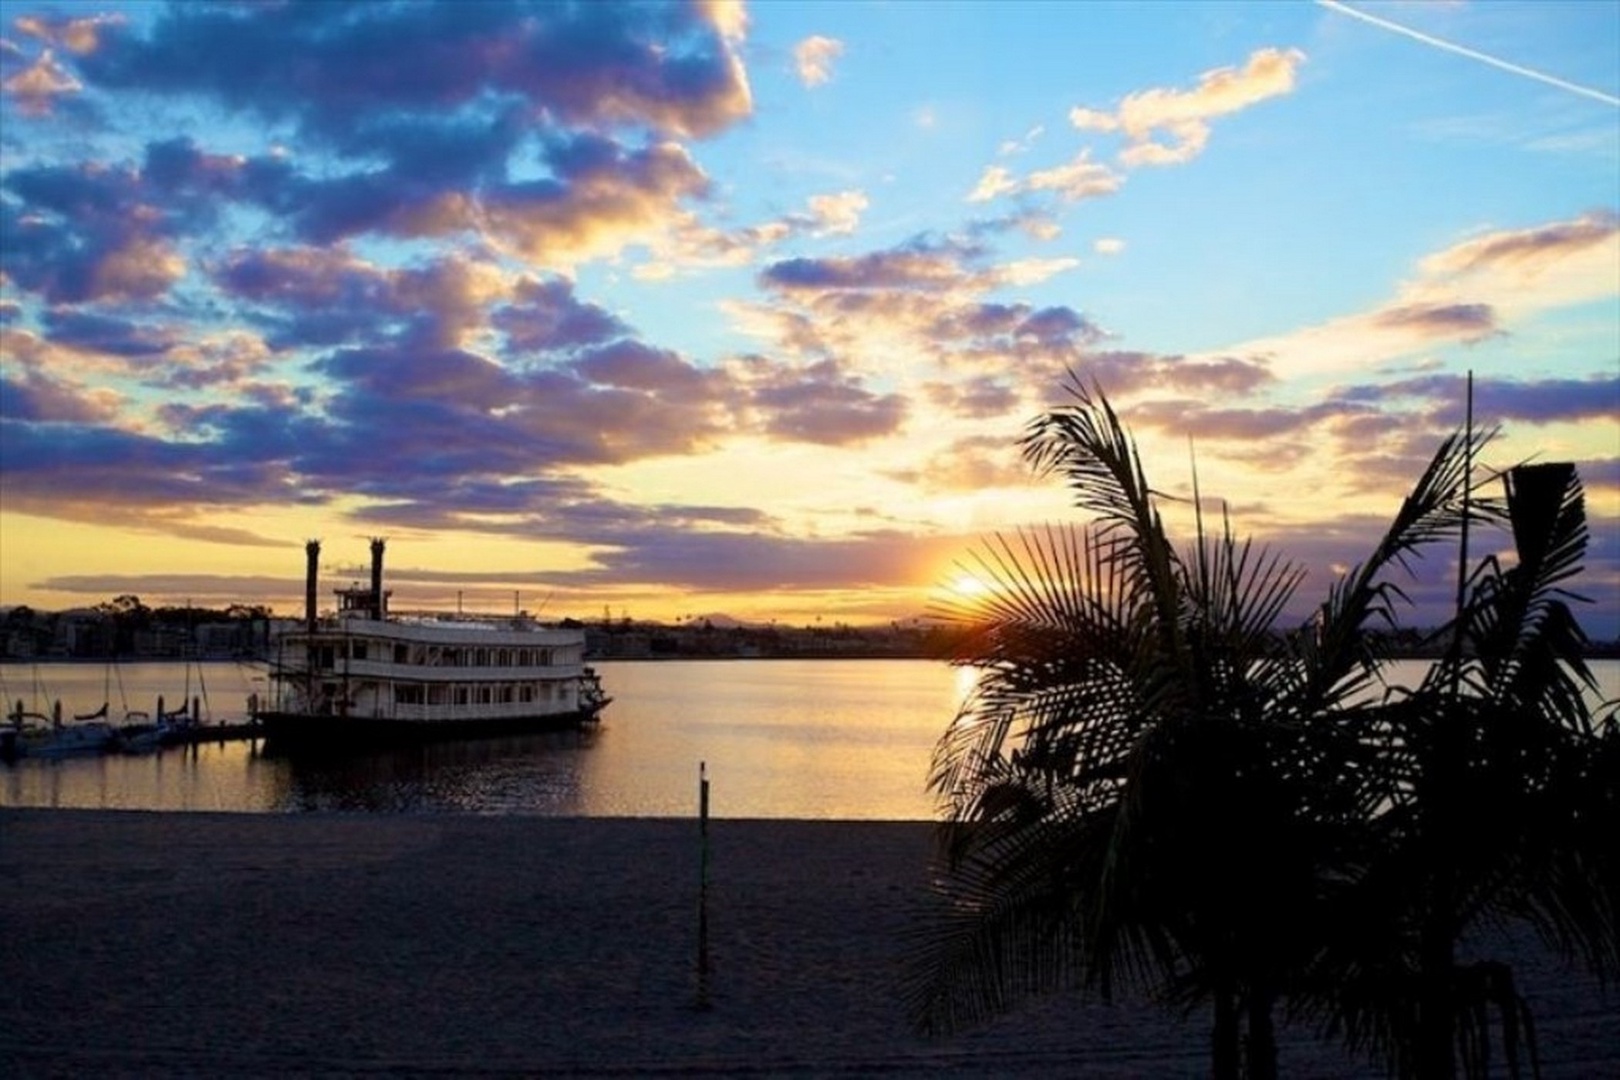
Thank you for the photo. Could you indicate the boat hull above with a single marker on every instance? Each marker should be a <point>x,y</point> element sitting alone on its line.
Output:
<point>306,732</point>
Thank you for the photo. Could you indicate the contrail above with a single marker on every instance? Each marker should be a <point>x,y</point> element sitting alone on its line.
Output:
<point>1460,50</point>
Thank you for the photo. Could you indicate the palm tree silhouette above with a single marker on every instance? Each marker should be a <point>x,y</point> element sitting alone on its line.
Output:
<point>1151,788</point>
<point>1499,801</point>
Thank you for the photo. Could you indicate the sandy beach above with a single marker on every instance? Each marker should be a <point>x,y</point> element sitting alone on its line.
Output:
<point>143,944</point>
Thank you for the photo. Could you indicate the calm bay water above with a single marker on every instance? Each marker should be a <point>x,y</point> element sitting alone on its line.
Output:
<point>845,739</point>
<point>837,739</point>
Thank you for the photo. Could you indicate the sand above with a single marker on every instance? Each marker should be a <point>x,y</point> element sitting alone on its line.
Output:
<point>216,945</point>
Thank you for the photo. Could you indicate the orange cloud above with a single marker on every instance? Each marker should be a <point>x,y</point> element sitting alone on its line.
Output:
<point>37,86</point>
<point>1184,115</point>
<point>814,58</point>
<point>1080,178</point>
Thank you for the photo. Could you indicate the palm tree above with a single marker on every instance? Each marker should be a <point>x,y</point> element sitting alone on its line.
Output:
<point>1498,801</point>
<point>1147,785</point>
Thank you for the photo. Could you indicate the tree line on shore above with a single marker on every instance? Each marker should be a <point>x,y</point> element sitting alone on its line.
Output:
<point>125,626</point>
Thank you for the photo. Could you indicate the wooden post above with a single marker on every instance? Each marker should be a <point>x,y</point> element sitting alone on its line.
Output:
<point>703,887</point>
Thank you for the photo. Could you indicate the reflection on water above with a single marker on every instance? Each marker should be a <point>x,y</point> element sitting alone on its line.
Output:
<point>535,774</point>
<point>529,774</point>
<point>837,739</point>
<point>797,739</point>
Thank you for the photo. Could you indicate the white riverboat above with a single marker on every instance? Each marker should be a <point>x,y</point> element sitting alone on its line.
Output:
<point>362,676</point>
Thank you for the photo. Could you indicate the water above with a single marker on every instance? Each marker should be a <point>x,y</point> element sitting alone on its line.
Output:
<point>843,739</point>
<point>832,739</point>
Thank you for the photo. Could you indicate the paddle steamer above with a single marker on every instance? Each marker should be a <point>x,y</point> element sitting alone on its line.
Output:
<point>362,676</point>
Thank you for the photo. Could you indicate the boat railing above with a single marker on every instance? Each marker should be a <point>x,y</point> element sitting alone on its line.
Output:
<point>388,670</point>
<point>487,711</point>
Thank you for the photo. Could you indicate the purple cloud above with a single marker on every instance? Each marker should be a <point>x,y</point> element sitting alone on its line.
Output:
<point>1537,401</point>
<point>545,316</point>
<point>1465,322</point>
<point>334,70</point>
<point>108,333</point>
<point>821,403</point>
<point>80,233</point>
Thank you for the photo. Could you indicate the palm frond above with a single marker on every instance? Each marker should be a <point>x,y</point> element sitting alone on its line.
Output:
<point>1088,445</point>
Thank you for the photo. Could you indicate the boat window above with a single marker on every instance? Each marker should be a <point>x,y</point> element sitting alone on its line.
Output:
<point>359,650</point>
<point>402,654</point>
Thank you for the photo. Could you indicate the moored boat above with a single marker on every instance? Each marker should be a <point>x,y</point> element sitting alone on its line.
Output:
<point>32,734</point>
<point>362,676</point>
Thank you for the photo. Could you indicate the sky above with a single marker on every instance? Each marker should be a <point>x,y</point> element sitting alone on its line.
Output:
<point>667,310</point>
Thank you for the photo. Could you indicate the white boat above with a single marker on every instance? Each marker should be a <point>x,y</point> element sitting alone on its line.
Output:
<point>362,676</point>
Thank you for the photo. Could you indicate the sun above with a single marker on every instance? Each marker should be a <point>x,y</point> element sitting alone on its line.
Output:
<point>969,586</point>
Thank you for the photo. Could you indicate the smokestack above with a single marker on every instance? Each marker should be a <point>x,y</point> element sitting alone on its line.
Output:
<point>377,545</point>
<point>312,553</point>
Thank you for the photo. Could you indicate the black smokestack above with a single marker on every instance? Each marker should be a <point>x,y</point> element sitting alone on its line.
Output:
<point>312,553</point>
<point>377,546</point>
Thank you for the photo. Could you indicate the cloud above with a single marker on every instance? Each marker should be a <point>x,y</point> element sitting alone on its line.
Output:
<point>672,68</point>
<point>78,35</point>
<point>79,233</point>
<point>751,562</point>
<point>1080,178</point>
<point>1460,322</point>
<point>547,132</point>
<point>1184,115</point>
<point>1528,251</point>
<point>1161,127</point>
<point>1464,294</point>
<point>813,58</point>
<point>818,403</point>
<point>37,86</point>
<point>1019,146</point>
<point>95,332</point>
<point>982,397</point>
<point>1532,401</point>
<point>30,392</point>
<point>1108,245</point>
<point>687,244</point>
<point>839,213</point>
<point>545,316</point>
<point>894,269</point>
<point>972,464</point>
<point>1123,373</point>
<point>327,296</point>
<point>996,181</point>
<point>921,306</point>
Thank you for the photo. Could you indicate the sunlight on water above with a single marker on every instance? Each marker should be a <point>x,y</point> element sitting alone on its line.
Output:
<point>837,739</point>
<point>794,739</point>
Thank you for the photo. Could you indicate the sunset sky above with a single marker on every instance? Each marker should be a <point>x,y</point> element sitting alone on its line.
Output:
<point>680,309</point>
